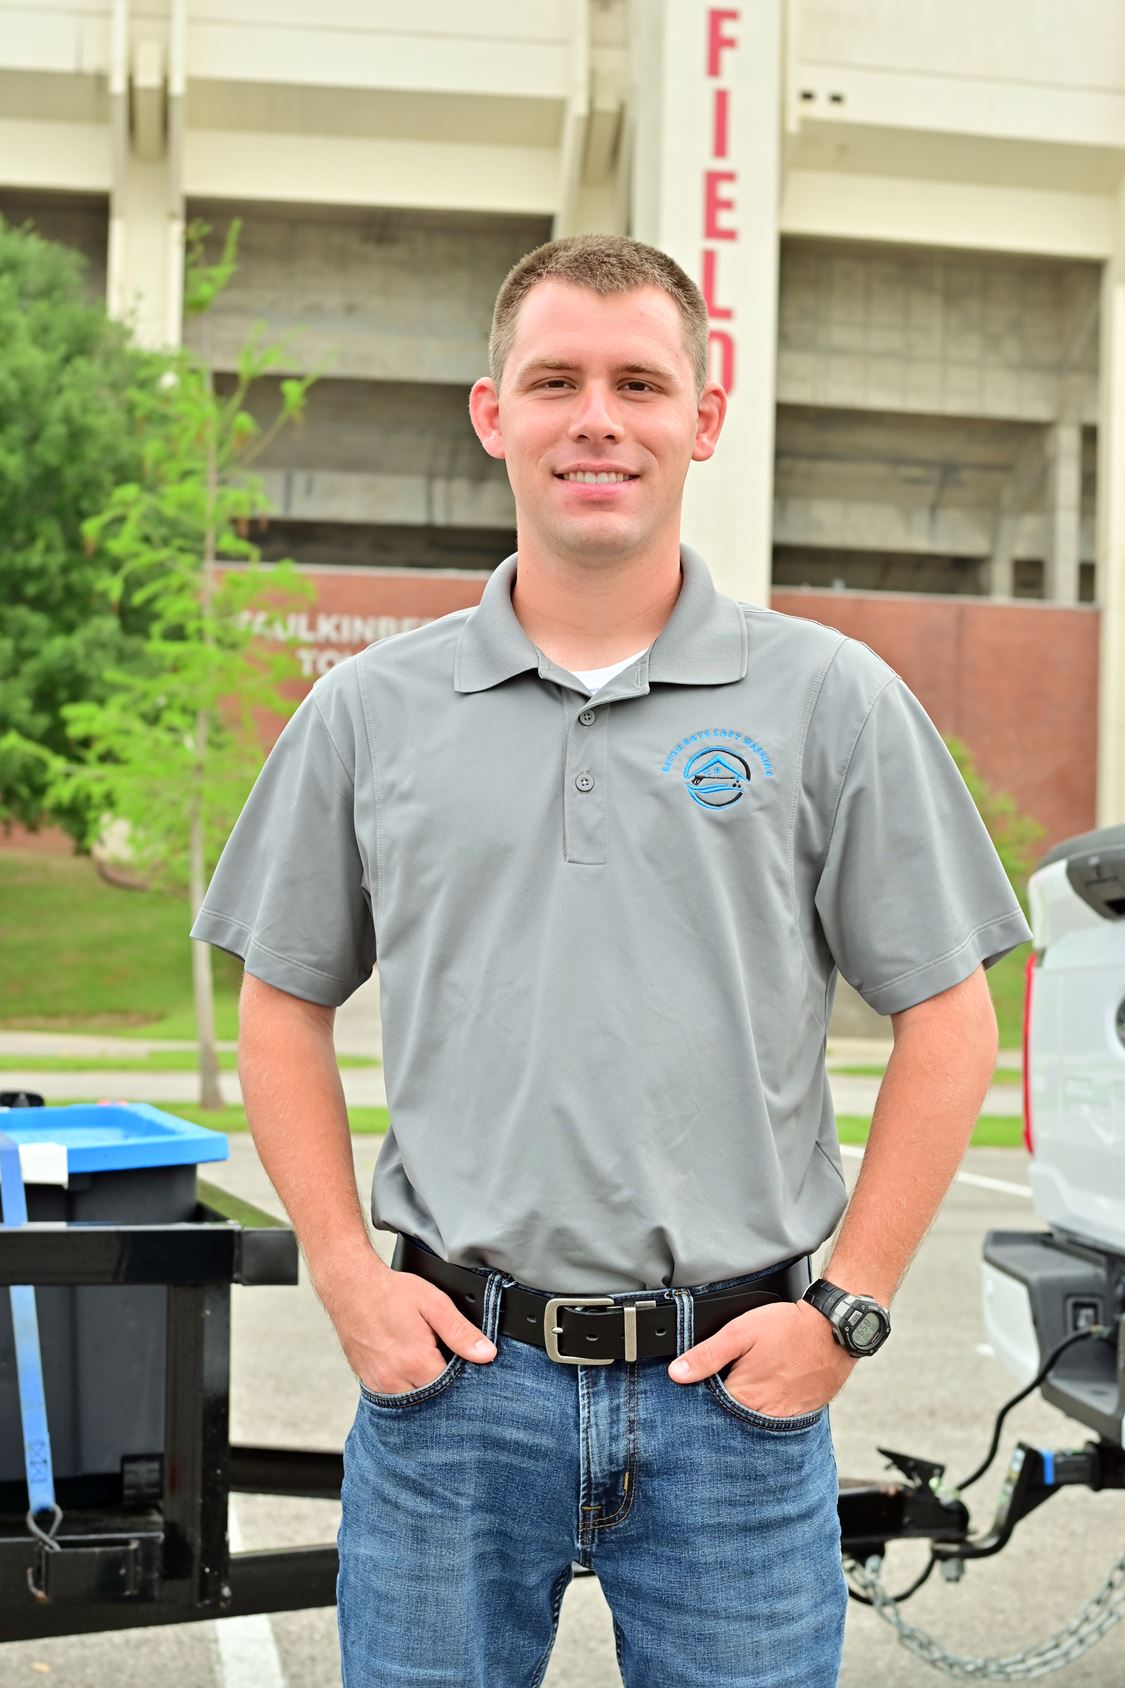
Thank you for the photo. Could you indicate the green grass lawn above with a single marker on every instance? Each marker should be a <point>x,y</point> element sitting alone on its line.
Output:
<point>179,1022</point>
<point>82,955</point>
<point>160,1061</point>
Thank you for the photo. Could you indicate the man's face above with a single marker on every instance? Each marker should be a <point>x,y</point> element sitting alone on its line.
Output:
<point>599,386</point>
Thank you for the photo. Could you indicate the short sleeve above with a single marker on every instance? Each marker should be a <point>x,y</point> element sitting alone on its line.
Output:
<point>291,892</point>
<point>912,896</point>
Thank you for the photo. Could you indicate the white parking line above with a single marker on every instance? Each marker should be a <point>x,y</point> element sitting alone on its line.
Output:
<point>976,1178</point>
<point>248,1655</point>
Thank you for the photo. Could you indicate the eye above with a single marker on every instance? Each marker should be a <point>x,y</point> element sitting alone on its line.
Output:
<point>555,381</point>
<point>637,382</point>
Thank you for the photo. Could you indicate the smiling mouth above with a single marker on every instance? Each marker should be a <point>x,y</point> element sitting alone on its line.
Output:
<point>603,477</point>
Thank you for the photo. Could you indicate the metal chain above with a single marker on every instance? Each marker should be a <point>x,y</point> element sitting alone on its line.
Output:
<point>1095,1620</point>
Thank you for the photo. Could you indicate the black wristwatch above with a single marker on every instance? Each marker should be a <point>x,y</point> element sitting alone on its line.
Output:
<point>858,1322</point>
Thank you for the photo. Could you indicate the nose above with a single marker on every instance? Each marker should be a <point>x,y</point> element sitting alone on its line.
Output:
<point>595,416</point>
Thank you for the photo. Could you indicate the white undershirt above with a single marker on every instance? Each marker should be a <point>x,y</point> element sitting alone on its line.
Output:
<point>595,678</point>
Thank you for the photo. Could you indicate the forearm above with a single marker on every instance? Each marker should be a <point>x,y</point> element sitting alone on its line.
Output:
<point>295,1108</point>
<point>936,1079</point>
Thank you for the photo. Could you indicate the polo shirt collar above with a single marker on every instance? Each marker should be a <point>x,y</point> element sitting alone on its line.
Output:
<point>703,642</point>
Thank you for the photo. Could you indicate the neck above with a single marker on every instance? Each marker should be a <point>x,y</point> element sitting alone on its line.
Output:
<point>589,613</point>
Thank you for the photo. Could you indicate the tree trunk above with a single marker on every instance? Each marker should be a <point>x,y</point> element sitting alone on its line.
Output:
<point>210,1095</point>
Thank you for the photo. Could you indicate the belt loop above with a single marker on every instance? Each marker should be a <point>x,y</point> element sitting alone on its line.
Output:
<point>495,1285</point>
<point>685,1320</point>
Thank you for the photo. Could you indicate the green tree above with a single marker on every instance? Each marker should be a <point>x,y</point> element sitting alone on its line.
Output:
<point>69,380</point>
<point>1013,833</point>
<point>173,747</point>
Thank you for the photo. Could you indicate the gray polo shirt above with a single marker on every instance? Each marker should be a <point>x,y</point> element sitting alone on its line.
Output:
<point>608,927</point>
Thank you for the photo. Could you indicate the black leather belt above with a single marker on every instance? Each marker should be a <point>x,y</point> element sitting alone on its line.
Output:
<point>581,1330</point>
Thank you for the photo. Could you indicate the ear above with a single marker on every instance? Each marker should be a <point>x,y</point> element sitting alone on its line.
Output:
<point>712,411</point>
<point>484,413</point>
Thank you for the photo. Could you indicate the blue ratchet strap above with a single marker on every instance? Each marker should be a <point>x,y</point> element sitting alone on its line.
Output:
<point>29,1361</point>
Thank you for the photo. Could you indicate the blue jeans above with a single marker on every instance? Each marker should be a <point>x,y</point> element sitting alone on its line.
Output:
<point>713,1529</point>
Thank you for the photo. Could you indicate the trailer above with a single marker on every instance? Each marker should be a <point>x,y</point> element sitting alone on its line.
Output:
<point>141,1538</point>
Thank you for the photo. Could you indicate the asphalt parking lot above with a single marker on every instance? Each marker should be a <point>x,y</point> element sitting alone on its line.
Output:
<point>932,1391</point>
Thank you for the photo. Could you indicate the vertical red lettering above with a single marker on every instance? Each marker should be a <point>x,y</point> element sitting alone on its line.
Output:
<point>721,118</point>
<point>718,195</point>
<point>717,42</point>
<point>717,312</point>
<point>714,204</point>
<point>720,350</point>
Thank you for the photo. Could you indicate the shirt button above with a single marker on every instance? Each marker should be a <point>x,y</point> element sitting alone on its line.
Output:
<point>585,782</point>
<point>587,717</point>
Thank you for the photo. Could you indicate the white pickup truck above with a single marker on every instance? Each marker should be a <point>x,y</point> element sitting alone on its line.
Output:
<point>1041,1286</point>
<point>1054,1298</point>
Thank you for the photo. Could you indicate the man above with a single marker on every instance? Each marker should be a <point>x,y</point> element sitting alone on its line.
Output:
<point>611,834</point>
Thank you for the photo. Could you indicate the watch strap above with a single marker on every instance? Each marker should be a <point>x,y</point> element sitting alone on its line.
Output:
<point>825,1297</point>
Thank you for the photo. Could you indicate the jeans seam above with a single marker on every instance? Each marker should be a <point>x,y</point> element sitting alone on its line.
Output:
<point>414,1397</point>
<point>780,1427</point>
<point>562,1583</point>
<point>587,1526</point>
<point>632,1416</point>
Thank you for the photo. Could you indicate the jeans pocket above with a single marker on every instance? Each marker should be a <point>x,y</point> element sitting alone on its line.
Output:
<point>425,1391</point>
<point>761,1421</point>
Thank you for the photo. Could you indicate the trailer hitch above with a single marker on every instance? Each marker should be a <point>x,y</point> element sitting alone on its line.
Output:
<point>1032,1477</point>
<point>872,1514</point>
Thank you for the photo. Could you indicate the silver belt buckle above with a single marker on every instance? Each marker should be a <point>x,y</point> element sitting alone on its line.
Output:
<point>551,1330</point>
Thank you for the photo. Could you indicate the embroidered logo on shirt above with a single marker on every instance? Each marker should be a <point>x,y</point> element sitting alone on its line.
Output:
<point>716,775</point>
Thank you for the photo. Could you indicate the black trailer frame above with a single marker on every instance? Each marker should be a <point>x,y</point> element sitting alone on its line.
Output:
<point>152,1547</point>
<point>119,1566</point>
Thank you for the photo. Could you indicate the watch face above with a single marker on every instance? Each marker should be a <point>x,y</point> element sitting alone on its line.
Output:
<point>867,1330</point>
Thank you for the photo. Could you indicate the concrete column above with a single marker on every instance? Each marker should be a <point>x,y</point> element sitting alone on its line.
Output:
<point>1020,489</point>
<point>1110,571</point>
<point>144,284</point>
<point>1063,446</point>
<point>999,573</point>
<point>707,98</point>
<point>146,255</point>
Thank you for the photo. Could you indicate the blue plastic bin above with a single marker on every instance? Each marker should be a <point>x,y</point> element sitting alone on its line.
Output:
<point>102,1345</point>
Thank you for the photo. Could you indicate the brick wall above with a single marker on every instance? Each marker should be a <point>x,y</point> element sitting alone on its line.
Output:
<point>1017,682</point>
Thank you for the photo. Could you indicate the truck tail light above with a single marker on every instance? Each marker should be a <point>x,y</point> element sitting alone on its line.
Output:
<point>1028,982</point>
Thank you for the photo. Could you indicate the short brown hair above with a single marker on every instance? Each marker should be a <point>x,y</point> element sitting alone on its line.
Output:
<point>605,263</point>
